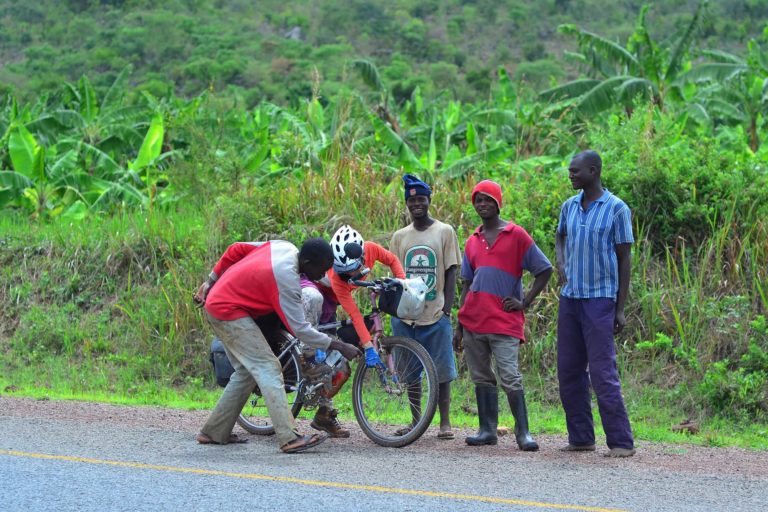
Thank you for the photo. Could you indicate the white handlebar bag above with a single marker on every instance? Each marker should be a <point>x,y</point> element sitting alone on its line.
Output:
<point>404,298</point>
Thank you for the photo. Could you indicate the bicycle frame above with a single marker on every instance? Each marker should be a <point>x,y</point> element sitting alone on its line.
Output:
<point>376,330</point>
<point>378,326</point>
<point>368,382</point>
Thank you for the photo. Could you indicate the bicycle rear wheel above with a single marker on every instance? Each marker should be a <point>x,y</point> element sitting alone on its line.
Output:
<point>255,417</point>
<point>387,405</point>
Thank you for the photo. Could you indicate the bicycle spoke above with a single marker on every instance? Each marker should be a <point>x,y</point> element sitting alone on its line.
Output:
<point>392,400</point>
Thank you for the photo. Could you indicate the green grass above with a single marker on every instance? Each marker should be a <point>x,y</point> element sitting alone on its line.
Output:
<point>191,397</point>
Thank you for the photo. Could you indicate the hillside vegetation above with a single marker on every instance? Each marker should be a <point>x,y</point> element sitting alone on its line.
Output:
<point>268,50</point>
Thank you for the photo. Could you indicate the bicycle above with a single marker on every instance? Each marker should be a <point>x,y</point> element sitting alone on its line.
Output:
<point>383,398</point>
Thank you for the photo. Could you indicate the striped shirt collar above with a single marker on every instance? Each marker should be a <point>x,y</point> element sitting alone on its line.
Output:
<point>603,198</point>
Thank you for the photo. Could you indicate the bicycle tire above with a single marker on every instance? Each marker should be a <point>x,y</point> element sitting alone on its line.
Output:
<point>254,417</point>
<point>378,420</point>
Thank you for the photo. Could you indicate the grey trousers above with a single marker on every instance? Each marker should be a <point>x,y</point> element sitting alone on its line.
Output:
<point>312,300</point>
<point>478,349</point>
<point>254,363</point>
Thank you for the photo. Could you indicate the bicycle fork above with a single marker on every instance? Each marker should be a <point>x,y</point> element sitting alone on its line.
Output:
<point>382,371</point>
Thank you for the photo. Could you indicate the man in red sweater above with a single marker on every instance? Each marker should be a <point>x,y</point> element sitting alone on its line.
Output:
<point>492,314</point>
<point>252,280</point>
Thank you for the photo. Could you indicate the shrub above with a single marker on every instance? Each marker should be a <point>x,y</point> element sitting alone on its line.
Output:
<point>740,389</point>
<point>676,184</point>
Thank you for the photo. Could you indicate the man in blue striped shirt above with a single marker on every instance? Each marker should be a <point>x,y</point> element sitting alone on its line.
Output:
<point>592,245</point>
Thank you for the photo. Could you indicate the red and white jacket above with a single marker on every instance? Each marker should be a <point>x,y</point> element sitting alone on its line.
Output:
<point>259,278</point>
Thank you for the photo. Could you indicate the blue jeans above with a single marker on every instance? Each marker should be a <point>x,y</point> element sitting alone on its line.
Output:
<point>437,338</point>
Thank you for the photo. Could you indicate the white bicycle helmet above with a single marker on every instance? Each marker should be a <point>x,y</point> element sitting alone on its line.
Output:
<point>347,247</point>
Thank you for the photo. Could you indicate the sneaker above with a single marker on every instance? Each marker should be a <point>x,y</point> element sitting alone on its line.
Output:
<point>325,420</point>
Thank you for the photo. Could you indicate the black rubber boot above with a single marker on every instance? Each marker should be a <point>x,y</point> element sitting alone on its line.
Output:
<point>517,403</point>
<point>488,414</point>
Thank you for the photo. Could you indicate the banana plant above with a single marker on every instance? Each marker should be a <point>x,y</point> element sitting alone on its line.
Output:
<point>300,143</point>
<point>13,183</point>
<point>403,153</point>
<point>101,131</point>
<point>620,74</point>
<point>254,131</point>
<point>83,139</point>
<point>142,182</point>
<point>732,90</point>
<point>44,187</point>
<point>369,73</point>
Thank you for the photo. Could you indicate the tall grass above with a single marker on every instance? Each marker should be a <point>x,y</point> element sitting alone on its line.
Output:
<point>111,290</point>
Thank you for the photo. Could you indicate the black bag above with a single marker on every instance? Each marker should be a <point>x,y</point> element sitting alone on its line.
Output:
<point>272,329</point>
<point>390,298</point>
<point>347,333</point>
<point>222,368</point>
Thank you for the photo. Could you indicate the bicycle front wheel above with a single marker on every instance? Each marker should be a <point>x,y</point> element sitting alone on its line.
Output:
<point>255,417</point>
<point>394,406</point>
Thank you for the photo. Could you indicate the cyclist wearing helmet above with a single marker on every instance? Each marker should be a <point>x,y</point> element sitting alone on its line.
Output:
<point>352,260</point>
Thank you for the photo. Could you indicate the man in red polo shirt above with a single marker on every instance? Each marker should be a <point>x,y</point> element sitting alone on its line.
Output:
<point>253,280</point>
<point>491,317</point>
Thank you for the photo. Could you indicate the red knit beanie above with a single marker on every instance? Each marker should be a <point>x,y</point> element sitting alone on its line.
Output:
<point>489,188</point>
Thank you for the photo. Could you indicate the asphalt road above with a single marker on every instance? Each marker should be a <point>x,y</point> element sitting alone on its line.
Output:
<point>66,464</point>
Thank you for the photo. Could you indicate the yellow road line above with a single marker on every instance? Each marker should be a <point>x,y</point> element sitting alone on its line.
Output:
<point>316,483</point>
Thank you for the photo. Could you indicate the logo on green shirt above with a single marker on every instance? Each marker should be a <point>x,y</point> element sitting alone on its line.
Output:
<point>421,261</point>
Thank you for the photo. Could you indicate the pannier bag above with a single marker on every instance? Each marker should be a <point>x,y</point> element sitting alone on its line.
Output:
<point>222,368</point>
<point>347,332</point>
<point>273,332</point>
<point>404,298</point>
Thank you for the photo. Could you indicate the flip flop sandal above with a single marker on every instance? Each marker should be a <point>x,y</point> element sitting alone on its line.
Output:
<point>306,442</point>
<point>446,435</point>
<point>206,439</point>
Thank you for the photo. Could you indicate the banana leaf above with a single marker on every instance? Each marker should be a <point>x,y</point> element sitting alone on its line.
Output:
<point>12,186</point>
<point>487,157</point>
<point>152,145</point>
<point>27,156</point>
<point>369,73</point>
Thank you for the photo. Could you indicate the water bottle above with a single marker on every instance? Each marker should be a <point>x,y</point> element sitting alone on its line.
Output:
<point>334,356</point>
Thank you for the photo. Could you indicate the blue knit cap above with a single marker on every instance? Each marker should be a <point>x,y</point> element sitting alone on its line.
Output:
<point>415,187</point>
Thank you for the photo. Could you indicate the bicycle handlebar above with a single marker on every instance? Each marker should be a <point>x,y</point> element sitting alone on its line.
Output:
<point>365,284</point>
<point>377,284</point>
